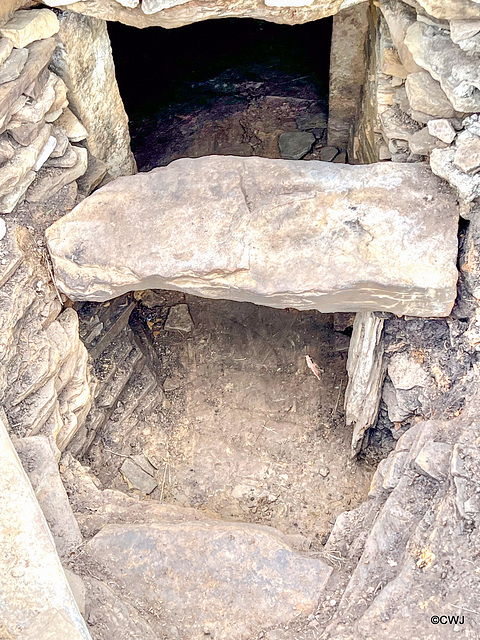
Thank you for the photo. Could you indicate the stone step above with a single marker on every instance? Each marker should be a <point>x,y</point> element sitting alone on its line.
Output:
<point>140,386</point>
<point>111,393</point>
<point>100,324</point>
<point>107,363</point>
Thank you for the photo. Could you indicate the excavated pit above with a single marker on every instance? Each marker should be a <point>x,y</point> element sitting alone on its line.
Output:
<point>219,397</point>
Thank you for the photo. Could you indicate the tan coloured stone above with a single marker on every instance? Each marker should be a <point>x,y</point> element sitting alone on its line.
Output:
<point>399,17</point>
<point>50,180</point>
<point>451,9</point>
<point>309,235</point>
<point>38,458</point>
<point>27,26</point>
<point>72,126</point>
<point>17,195</point>
<point>34,111</point>
<point>85,63</point>
<point>426,95</point>
<point>40,54</point>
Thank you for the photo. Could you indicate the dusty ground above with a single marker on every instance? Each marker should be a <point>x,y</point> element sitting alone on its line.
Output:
<point>246,430</point>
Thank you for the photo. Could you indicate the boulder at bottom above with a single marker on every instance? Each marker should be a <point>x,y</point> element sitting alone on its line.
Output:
<point>209,579</point>
<point>281,233</point>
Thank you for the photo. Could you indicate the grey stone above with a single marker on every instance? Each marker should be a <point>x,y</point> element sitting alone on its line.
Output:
<point>136,477</point>
<point>423,143</point>
<point>467,155</point>
<point>463,29</point>
<point>341,158</point>
<point>207,574</point>
<point>401,403</point>
<point>442,129</point>
<point>6,46</point>
<point>308,122</point>
<point>309,235</point>
<point>434,460</point>
<point>457,72</point>
<point>13,65</point>
<point>466,33</point>
<point>327,154</point>
<point>397,125</point>
<point>442,162</point>
<point>294,145</point>
<point>179,319</point>
<point>427,96</point>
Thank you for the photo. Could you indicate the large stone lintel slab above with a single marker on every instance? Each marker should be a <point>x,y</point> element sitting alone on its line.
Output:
<point>308,235</point>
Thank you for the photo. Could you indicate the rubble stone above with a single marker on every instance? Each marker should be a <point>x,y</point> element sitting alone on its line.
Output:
<point>426,95</point>
<point>12,67</point>
<point>442,129</point>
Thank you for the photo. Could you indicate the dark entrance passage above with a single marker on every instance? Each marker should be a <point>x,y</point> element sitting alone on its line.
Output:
<point>224,87</point>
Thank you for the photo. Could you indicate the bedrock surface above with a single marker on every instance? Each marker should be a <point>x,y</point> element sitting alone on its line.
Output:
<point>281,233</point>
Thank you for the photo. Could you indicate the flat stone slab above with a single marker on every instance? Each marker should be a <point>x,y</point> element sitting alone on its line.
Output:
<point>221,579</point>
<point>308,235</point>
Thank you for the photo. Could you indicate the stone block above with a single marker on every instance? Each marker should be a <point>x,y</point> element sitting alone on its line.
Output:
<point>26,26</point>
<point>309,235</point>
<point>427,96</point>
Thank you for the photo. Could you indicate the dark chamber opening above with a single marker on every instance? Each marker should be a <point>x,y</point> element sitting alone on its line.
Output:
<point>228,86</point>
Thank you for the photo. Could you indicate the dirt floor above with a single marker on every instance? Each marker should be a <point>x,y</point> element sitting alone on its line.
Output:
<point>246,429</point>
